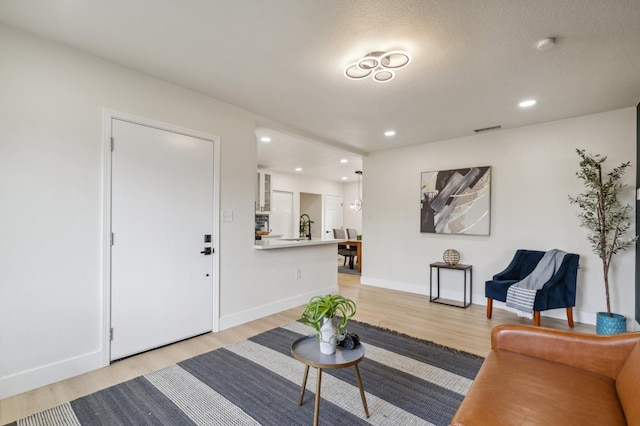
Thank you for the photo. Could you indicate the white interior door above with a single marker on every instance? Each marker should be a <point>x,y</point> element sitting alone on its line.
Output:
<point>162,208</point>
<point>281,217</point>
<point>332,214</point>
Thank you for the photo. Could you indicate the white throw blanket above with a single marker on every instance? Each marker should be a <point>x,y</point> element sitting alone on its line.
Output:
<point>521,295</point>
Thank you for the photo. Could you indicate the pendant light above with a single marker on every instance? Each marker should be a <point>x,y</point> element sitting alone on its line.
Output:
<point>357,204</point>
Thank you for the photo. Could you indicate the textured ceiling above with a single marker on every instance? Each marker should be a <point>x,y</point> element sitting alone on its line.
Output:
<point>472,61</point>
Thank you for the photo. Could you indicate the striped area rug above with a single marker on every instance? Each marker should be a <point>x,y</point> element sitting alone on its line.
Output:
<point>256,382</point>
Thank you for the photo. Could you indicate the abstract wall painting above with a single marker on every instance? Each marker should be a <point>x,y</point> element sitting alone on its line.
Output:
<point>456,201</point>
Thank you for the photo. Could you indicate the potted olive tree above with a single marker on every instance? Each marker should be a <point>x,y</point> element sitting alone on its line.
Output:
<point>607,221</point>
<point>320,313</point>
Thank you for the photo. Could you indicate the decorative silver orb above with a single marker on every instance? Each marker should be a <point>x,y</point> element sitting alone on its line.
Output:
<point>451,257</point>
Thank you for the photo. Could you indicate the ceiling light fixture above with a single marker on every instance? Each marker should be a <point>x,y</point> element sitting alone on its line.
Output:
<point>265,139</point>
<point>379,65</point>
<point>298,169</point>
<point>528,103</point>
<point>390,133</point>
<point>344,161</point>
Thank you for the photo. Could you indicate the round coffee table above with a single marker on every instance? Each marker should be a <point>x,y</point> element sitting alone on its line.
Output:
<point>307,351</point>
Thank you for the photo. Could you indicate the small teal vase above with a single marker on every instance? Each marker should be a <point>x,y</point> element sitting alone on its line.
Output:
<point>614,324</point>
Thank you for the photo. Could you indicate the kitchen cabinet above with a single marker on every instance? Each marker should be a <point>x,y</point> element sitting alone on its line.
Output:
<point>263,193</point>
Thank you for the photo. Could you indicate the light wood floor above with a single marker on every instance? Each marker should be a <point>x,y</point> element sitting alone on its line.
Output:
<point>465,329</point>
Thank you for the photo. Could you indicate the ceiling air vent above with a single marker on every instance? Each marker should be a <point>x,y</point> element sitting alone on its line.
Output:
<point>488,129</point>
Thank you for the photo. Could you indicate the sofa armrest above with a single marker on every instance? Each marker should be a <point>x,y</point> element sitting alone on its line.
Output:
<point>510,273</point>
<point>560,290</point>
<point>566,273</point>
<point>604,355</point>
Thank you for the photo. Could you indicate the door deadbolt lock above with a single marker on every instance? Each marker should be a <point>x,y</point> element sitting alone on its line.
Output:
<point>207,251</point>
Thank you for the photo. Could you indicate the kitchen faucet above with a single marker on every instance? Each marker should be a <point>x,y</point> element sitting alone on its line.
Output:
<point>308,223</point>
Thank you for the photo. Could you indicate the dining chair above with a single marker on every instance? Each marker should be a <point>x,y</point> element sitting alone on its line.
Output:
<point>343,249</point>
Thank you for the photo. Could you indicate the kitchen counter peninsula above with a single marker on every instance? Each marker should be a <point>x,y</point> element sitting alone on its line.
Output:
<point>274,243</point>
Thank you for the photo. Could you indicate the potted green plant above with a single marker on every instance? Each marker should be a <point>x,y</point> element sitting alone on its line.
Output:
<point>320,313</point>
<point>607,221</point>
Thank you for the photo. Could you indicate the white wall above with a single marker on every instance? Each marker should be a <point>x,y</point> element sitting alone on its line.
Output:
<point>51,193</point>
<point>533,172</point>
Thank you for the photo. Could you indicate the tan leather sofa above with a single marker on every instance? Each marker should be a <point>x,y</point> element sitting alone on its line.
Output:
<point>540,376</point>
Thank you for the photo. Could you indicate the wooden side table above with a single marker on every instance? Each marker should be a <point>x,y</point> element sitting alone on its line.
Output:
<point>307,351</point>
<point>466,269</point>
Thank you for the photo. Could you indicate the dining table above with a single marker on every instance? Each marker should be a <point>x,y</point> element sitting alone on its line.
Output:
<point>358,245</point>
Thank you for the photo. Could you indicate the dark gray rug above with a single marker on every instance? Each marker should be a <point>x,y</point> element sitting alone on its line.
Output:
<point>345,270</point>
<point>257,382</point>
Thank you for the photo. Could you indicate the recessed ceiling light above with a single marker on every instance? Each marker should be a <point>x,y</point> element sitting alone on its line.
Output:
<point>344,161</point>
<point>546,44</point>
<point>298,169</point>
<point>265,139</point>
<point>344,178</point>
<point>390,133</point>
<point>528,103</point>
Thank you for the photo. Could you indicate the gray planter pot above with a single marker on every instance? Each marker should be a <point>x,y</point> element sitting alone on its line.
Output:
<point>614,324</point>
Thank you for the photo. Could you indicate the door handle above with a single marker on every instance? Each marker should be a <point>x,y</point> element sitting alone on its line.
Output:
<point>207,251</point>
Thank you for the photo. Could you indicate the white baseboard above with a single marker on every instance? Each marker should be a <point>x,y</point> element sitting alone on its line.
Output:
<point>396,285</point>
<point>419,288</point>
<point>45,375</point>
<point>51,373</point>
<point>271,308</point>
<point>578,316</point>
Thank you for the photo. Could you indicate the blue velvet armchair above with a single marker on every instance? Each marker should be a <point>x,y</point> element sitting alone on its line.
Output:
<point>558,292</point>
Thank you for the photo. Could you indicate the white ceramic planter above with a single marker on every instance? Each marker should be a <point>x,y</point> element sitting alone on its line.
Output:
<point>328,337</point>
